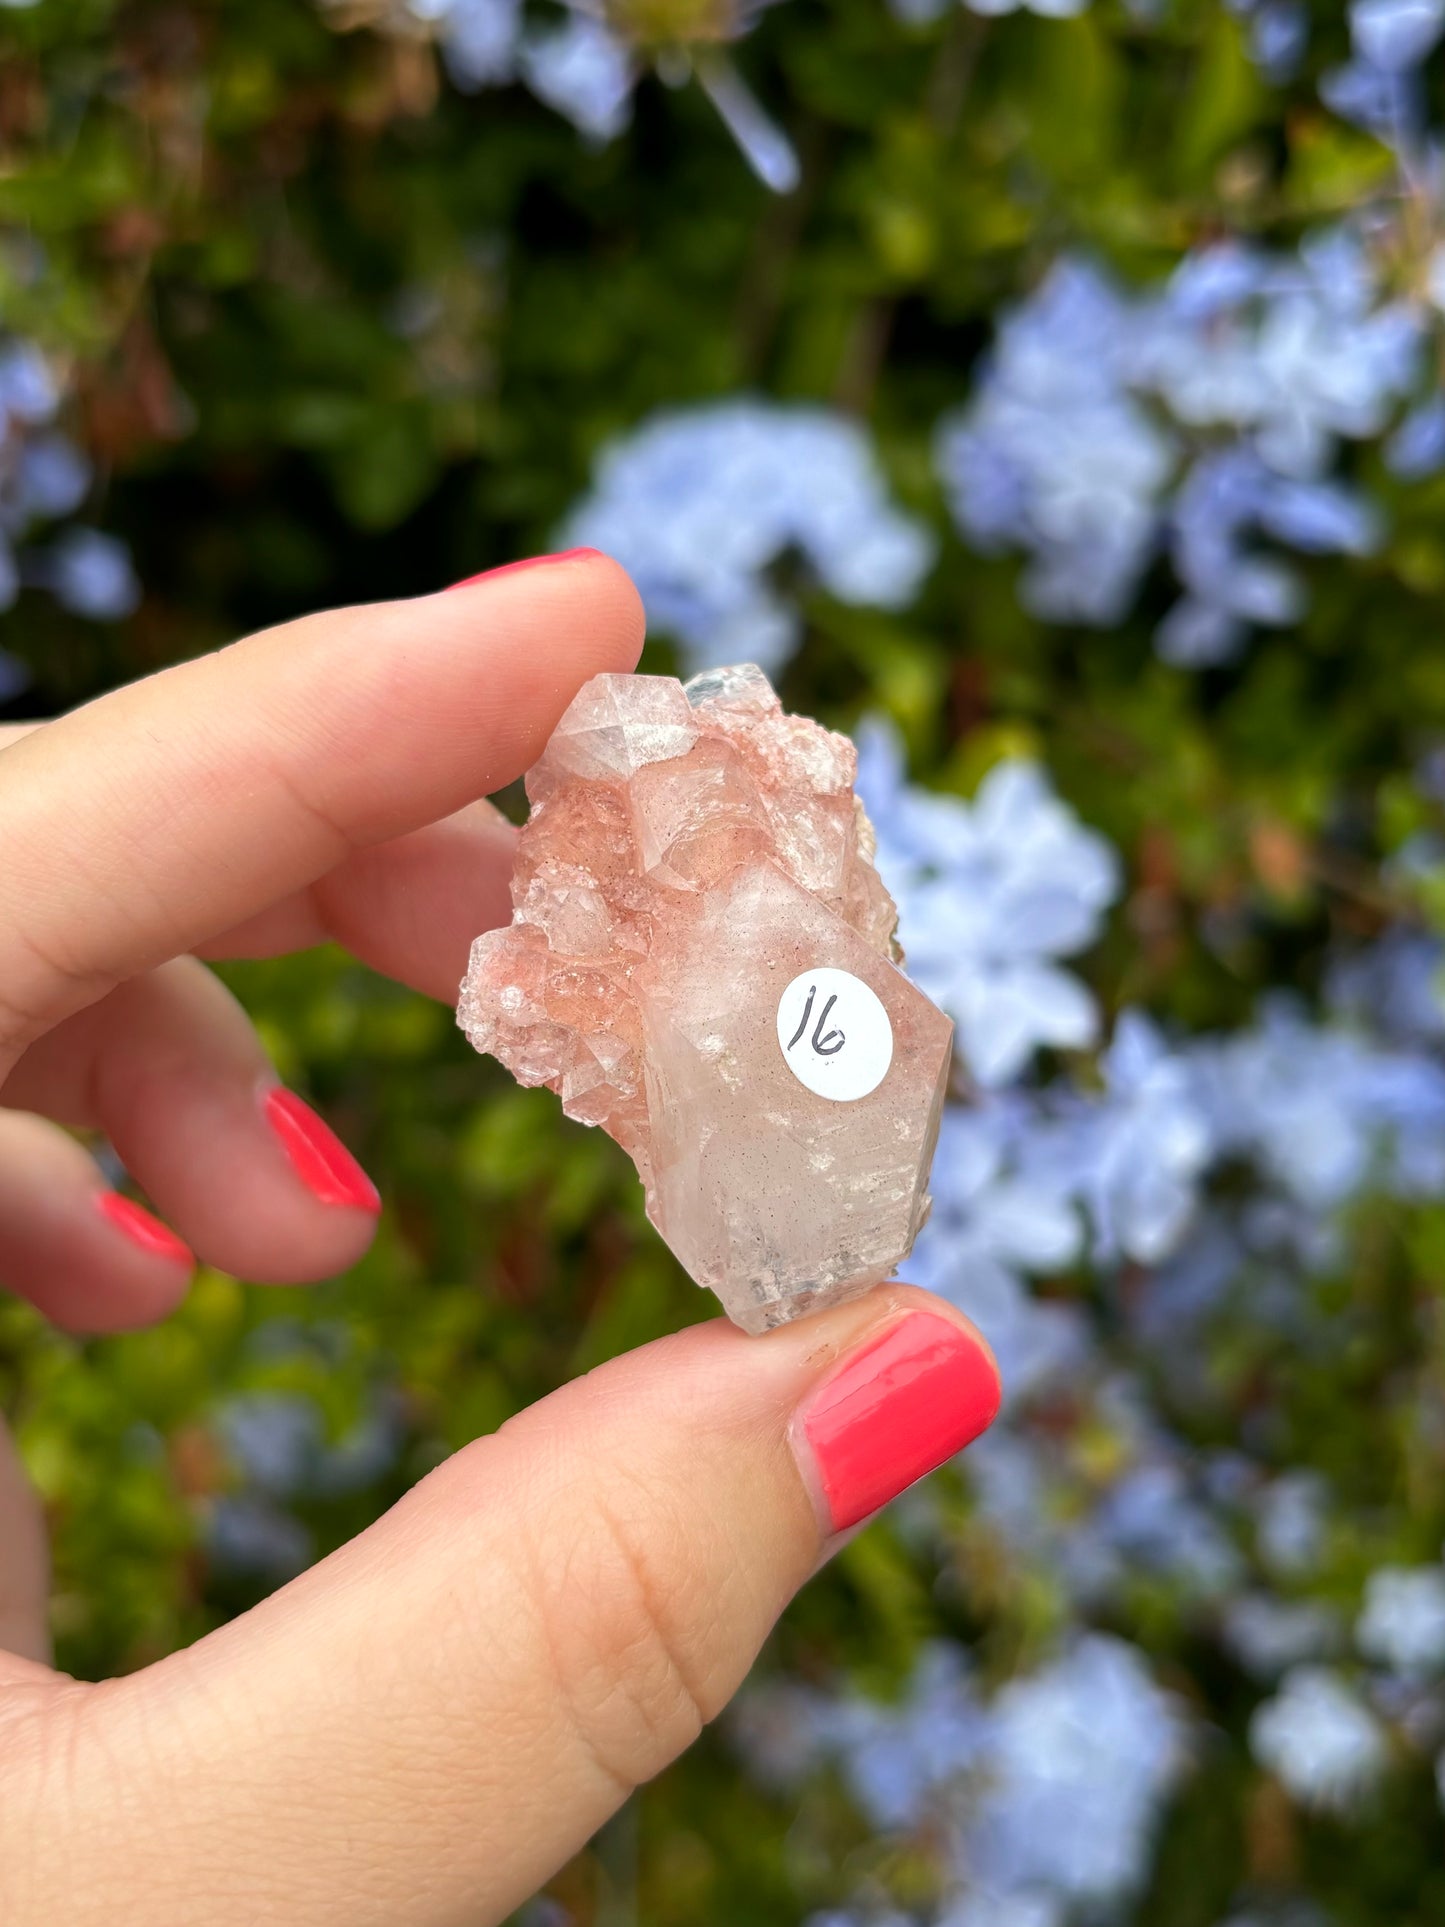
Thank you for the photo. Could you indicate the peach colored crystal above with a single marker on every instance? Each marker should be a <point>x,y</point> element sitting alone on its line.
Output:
<point>695,888</point>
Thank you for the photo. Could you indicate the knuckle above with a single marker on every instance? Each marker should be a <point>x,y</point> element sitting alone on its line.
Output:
<point>41,985</point>
<point>41,1726</point>
<point>22,1020</point>
<point>627,1633</point>
<point>325,823</point>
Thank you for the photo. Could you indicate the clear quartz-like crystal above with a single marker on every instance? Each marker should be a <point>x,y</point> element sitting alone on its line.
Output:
<point>697,927</point>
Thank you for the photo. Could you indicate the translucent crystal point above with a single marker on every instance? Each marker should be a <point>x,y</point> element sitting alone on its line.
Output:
<point>701,960</point>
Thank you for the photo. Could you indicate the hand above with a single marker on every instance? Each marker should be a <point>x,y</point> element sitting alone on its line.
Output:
<point>423,1727</point>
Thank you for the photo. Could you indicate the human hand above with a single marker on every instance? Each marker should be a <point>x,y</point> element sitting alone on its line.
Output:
<point>419,1730</point>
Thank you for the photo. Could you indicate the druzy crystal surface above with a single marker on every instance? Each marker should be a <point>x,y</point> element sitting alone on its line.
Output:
<point>701,960</point>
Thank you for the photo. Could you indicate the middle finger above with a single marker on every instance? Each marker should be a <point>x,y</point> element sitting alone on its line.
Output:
<point>409,908</point>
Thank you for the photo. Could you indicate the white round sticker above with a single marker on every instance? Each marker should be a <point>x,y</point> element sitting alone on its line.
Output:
<point>834,1034</point>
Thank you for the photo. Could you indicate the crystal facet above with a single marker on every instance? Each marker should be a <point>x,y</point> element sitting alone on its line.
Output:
<point>701,960</point>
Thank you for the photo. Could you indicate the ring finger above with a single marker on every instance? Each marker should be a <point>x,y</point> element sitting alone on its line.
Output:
<point>169,1068</point>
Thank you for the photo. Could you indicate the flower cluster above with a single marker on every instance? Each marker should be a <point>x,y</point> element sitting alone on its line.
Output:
<point>703,504</point>
<point>1046,1791</point>
<point>1204,421</point>
<point>1201,422</point>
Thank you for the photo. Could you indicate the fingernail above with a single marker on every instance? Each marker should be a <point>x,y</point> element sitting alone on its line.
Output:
<point>143,1229</point>
<point>527,562</point>
<point>911,1398</point>
<point>318,1157</point>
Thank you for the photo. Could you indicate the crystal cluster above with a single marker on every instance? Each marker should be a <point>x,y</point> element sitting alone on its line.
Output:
<point>701,960</point>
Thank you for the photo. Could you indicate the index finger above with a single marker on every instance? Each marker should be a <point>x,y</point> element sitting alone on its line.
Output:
<point>170,810</point>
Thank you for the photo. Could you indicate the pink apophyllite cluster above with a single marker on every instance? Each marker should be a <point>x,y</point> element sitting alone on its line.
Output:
<point>701,960</point>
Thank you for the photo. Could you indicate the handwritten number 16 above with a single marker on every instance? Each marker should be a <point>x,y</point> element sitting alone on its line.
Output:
<point>825,1044</point>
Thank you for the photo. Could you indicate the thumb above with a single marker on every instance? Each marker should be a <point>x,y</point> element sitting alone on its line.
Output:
<point>429,1723</point>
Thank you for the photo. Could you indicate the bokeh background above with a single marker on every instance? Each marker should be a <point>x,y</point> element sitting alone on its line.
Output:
<point>1051,395</point>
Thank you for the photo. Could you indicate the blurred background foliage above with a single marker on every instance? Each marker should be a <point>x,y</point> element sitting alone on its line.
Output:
<point>329,314</point>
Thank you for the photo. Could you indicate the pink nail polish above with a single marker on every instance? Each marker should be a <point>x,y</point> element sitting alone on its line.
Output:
<point>894,1411</point>
<point>527,562</point>
<point>318,1157</point>
<point>136,1223</point>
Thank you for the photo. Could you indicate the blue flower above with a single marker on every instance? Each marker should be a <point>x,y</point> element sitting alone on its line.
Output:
<point>1417,447</point>
<point>1402,1624</point>
<point>904,1761</point>
<point>1227,495</point>
<point>53,478</point>
<point>91,573</point>
<point>994,1218</point>
<point>700,503</point>
<point>1081,1757</point>
<point>1383,102</point>
<point>990,894</point>
<point>480,38</point>
<point>583,70</point>
<point>1320,1739</point>
<point>1270,1635</point>
<point>1050,1792</point>
<point>1134,1156</point>
<point>1056,454</point>
<point>1186,1289</point>
<point>1156,1522</point>
<point>1380,86</point>
<point>1396,986</point>
<point>28,393</point>
<point>1396,35</point>
<point>1278,35</point>
<point>1316,1108</point>
<point>1290,1522</point>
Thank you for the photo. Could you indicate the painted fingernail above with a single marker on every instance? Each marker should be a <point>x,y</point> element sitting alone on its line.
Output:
<point>137,1224</point>
<point>318,1157</point>
<point>911,1398</point>
<point>527,562</point>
